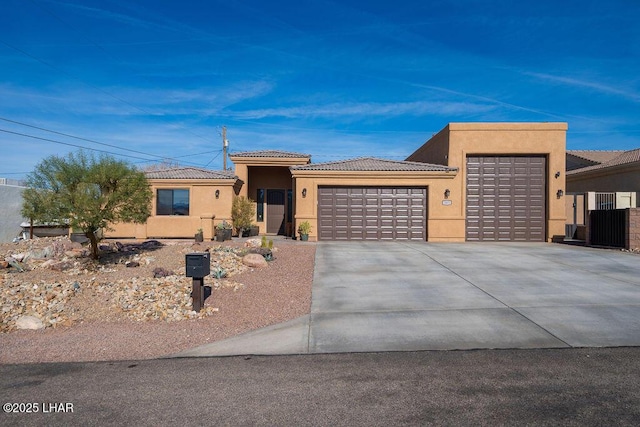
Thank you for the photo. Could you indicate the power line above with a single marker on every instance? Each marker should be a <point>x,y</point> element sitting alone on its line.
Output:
<point>77,137</point>
<point>88,148</point>
<point>69,144</point>
<point>107,145</point>
<point>215,157</point>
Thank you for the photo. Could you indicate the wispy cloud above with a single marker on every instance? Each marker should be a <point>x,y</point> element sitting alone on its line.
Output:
<point>418,108</point>
<point>136,101</point>
<point>629,94</point>
<point>94,12</point>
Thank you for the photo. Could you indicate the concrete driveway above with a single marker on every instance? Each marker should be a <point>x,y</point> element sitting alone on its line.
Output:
<point>397,296</point>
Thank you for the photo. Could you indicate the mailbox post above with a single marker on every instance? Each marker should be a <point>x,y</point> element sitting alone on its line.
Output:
<point>198,266</point>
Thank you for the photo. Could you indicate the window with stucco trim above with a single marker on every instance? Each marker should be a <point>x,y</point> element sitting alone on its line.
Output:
<point>172,202</point>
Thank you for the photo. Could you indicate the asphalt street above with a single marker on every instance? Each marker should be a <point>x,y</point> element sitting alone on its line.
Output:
<point>589,386</point>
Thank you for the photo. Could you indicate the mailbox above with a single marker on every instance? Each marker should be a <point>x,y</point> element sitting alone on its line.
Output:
<point>198,264</point>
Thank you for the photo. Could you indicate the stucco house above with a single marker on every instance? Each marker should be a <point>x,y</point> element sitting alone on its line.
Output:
<point>603,171</point>
<point>184,200</point>
<point>599,180</point>
<point>469,182</point>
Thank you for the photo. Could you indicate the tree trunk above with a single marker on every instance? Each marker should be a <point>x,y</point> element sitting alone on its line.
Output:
<point>93,241</point>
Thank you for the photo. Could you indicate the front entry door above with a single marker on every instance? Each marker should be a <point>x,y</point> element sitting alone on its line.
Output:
<point>275,211</point>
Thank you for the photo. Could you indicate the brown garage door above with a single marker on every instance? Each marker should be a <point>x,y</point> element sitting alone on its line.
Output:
<point>506,198</point>
<point>372,213</point>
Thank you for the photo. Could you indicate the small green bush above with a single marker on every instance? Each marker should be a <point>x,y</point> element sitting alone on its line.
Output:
<point>242,213</point>
<point>304,227</point>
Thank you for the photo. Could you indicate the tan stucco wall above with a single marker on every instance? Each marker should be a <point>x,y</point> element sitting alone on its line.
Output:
<point>267,173</point>
<point>613,179</point>
<point>442,224</point>
<point>242,172</point>
<point>205,211</point>
<point>267,177</point>
<point>435,150</point>
<point>579,208</point>
<point>456,141</point>
<point>516,139</point>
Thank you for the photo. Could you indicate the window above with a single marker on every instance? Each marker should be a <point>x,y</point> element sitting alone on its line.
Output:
<point>260,205</point>
<point>172,202</point>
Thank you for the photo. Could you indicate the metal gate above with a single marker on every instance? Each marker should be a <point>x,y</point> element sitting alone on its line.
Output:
<point>608,227</point>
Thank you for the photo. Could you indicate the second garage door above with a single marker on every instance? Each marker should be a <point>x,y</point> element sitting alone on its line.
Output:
<point>506,198</point>
<point>372,213</point>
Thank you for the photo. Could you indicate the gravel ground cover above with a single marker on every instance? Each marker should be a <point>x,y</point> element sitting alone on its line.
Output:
<point>135,302</point>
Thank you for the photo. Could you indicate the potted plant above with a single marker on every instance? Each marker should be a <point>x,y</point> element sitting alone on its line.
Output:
<point>223,231</point>
<point>242,213</point>
<point>199,236</point>
<point>304,229</point>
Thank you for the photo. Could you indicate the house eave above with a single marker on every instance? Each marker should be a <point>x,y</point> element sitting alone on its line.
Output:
<point>297,173</point>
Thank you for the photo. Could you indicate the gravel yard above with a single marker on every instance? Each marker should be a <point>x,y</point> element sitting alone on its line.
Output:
<point>107,310</point>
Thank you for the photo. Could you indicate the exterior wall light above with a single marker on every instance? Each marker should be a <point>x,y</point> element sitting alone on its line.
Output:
<point>558,174</point>
<point>217,194</point>
<point>304,192</point>
<point>447,193</point>
<point>560,193</point>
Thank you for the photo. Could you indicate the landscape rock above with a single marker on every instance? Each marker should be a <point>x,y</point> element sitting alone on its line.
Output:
<point>59,265</point>
<point>161,272</point>
<point>150,244</point>
<point>47,252</point>
<point>254,261</point>
<point>70,287</point>
<point>4,264</point>
<point>253,243</point>
<point>76,253</point>
<point>17,265</point>
<point>132,264</point>
<point>19,256</point>
<point>29,322</point>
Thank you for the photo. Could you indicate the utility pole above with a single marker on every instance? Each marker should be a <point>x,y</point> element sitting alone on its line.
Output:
<point>225,145</point>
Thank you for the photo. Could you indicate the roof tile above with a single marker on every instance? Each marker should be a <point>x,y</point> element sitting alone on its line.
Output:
<point>269,153</point>
<point>597,156</point>
<point>374,164</point>
<point>622,158</point>
<point>189,173</point>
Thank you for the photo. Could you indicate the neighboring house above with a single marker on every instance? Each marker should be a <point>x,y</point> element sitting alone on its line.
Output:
<point>603,171</point>
<point>599,180</point>
<point>471,181</point>
<point>10,217</point>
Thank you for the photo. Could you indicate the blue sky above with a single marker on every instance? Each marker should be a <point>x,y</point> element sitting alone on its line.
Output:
<point>333,79</point>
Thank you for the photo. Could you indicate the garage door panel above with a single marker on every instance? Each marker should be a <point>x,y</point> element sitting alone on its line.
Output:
<point>372,213</point>
<point>506,198</point>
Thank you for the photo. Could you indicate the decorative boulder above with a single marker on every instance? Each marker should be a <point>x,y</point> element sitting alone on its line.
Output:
<point>57,265</point>
<point>29,322</point>
<point>253,243</point>
<point>254,260</point>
